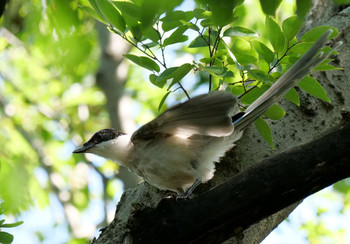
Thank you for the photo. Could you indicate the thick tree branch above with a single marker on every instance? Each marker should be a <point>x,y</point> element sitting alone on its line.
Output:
<point>250,196</point>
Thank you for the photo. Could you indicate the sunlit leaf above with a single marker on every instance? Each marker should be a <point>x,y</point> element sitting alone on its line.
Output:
<point>275,112</point>
<point>274,34</point>
<point>111,14</point>
<point>311,85</point>
<point>264,130</point>
<point>291,27</point>
<point>293,96</point>
<point>264,51</point>
<point>303,7</point>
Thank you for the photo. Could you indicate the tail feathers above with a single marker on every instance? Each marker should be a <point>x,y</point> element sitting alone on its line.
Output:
<point>301,68</point>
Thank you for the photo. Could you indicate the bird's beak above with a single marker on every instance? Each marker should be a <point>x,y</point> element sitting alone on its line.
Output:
<point>84,147</point>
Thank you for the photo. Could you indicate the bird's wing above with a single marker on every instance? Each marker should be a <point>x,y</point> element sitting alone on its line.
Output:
<point>207,114</point>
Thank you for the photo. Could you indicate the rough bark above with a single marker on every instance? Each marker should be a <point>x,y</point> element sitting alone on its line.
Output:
<point>300,126</point>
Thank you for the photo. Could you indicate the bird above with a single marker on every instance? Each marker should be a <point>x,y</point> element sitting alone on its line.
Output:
<point>177,150</point>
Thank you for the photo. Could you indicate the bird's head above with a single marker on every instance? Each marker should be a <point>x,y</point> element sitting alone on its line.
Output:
<point>103,143</point>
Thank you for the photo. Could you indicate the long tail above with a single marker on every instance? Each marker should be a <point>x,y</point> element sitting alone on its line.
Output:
<point>301,68</point>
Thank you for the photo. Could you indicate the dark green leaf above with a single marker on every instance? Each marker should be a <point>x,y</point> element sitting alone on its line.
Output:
<point>293,96</point>
<point>177,36</point>
<point>199,42</point>
<point>5,237</point>
<point>154,80</point>
<point>269,6</point>
<point>163,100</point>
<point>264,130</point>
<point>315,33</point>
<point>144,62</point>
<point>291,27</point>
<point>239,31</point>
<point>274,34</point>
<point>275,112</point>
<point>263,51</point>
<point>311,85</point>
<point>223,11</point>
<point>151,34</point>
<point>166,74</point>
<point>111,14</point>
<point>303,7</point>
<point>180,73</point>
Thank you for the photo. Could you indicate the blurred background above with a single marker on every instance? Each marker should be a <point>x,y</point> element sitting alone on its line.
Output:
<point>62,77</point>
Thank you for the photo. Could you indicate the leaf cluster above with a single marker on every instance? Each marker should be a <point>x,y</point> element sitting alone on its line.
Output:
<point>231,54</point>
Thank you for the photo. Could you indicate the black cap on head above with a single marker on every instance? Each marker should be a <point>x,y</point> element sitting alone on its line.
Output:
<point>98,137</point>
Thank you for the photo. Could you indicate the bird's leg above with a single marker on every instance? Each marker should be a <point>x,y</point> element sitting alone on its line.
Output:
<point>189,191</point>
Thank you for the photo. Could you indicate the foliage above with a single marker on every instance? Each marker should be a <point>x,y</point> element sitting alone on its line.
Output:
<point>233,55</point>
<point>4,236</point>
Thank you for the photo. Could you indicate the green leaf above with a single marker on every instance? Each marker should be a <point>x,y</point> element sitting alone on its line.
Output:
<point>128,8</point>
<point>180,73</point>
<point>293,96</point>
<point>324,66</point>
<point>163,100</point>
<point>199,42</point>
<point>93,13</point>
<point>111,14</point>
<point>153,79</point>
<point>315,33</point>
<point>264,130</point>
<point>172,20</point>
<point>11,225</point>
<point>303,7</point>
<point>311,86</point>
<point>242,51</point>
<point>144,62</point>
<point>302,47</point>
<point>259,75</point>
<point>274,34</point>
<point>151,34</point>
<point>5,237</point>
<point>291,27</point>
<point>166,74</point>
<point>269,6</point>
<point>275,112</point>
<point>177,36</point>
<point>201,13</point>
<point>223,11</point>
<point>214,70</point>
<point>253,94</point>
<point>263,51</point>
<point>239,31</point>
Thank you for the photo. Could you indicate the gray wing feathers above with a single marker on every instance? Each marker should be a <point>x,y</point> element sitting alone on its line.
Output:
<point>301,68</point>
<point>207,114</point>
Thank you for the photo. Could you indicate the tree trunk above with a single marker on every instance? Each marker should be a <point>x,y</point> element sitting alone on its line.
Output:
<point>301,125</point>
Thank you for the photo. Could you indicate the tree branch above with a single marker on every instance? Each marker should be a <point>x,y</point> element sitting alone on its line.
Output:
<point>250,196</point>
